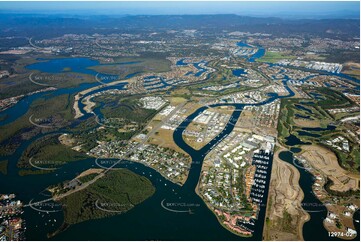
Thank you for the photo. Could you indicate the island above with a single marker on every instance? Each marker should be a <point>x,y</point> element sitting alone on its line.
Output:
<point>112,193</point>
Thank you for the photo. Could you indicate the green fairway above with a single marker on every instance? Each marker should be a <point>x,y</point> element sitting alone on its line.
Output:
<point>273,57</point>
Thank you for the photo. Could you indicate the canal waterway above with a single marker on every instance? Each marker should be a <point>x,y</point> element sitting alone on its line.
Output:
<point>146,221</point>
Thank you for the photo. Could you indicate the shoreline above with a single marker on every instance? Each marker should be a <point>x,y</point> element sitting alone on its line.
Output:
<point>219,221</point>
<point>330,208</point>
<point>210,208</point>
<point>79,95</point>
<point>293,179</point>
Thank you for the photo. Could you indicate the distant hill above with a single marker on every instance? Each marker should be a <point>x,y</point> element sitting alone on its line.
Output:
<point>44,26</point>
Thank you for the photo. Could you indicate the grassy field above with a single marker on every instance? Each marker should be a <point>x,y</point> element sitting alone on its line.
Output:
<point>118,191</point>
<point>315,112</point>
<point>285,119</point>
<point>273,57</point>
<point>136,65</point>
<point>352,69</point>
<point>333,99</point>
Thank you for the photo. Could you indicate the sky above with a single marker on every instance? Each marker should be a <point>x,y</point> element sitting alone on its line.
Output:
<point>283,9</point>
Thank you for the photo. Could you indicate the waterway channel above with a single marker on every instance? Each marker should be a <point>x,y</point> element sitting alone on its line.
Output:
<point>147,221</point>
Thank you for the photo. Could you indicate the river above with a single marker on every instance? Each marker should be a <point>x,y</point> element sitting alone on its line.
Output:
<point>147,221</point>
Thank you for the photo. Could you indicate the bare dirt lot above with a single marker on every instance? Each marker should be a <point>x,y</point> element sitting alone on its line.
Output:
<point>90,171</point>
<point>307,123</point>
<point>285,216</point>
<point>325,161</point>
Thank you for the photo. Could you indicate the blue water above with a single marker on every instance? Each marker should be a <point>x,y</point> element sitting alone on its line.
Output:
<point>295,149</point>
<point>293,140</point>
<point>304,108</point>
<point>346,77</point>
<point>56,66</point>
<point>199,155</point>
<point>181,62</point>
<point>239,72</point>
<point>158,83</point>
<point>329,127</point>
<point>313,229</point>
<point>302,116</point>
<point>304,133</point>
<point>260,53</point>
<point>242,44</point>
<point>196,65</point>
<point>21,107</point>
<point>200,69</point>
<point>183,226</point>
<point>307,103</point>
<point>316,95</point>
<point>147,221</point>
<point>79,65</point>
